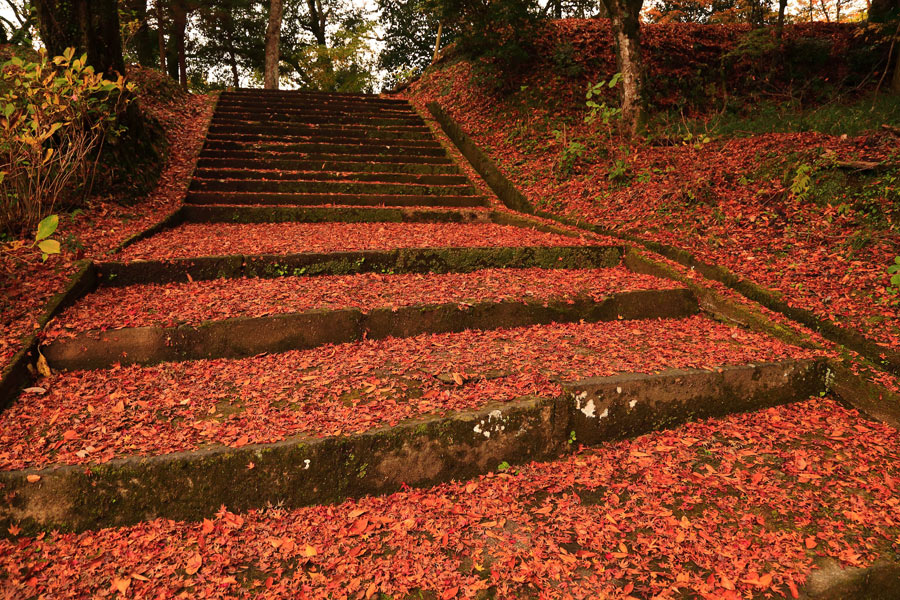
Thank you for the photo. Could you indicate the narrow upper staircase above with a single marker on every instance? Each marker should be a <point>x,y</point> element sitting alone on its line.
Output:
<point>307,149</point>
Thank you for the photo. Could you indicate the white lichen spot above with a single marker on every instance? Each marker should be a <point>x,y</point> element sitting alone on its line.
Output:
<point>619,390</point>
<point>588,409</point>
<point>632,404</point>
<point>604,414</point>
<point>495,414</point>
<point>306,464</point>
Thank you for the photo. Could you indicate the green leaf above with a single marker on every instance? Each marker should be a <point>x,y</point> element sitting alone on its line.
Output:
<point>49,247</point>
<point>615,80</point>
<point>46,228</point>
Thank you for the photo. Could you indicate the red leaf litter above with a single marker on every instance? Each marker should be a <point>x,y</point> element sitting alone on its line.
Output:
<point>27,284</point>
<point>727,202</point>
<point>286,238</point>
<point>729,508</point>
<point>94,416</point>
<point>176,303</point>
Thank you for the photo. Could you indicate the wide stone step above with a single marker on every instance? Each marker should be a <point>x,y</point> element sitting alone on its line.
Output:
<point>281,95</point>
<point>347,110</point>
<point>406,260</point>
<point>341,119</point>
<point>238,213</point>
<point>327,157</point>
<point>192,240</point>
<point>272,164</point>
<point>302,103</point>
<point>326,129</point>
<point>334,199</point>
<point>321,139</point>
<point>254,316</point>
<point>328,187</point>
<point>255,174</point>
<point>320,425</point>
<point>325,148</point>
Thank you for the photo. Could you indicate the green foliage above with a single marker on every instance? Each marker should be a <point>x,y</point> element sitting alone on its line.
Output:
<point>569,155</point>
<point>45,229</point>
<point>55,116</point>
<point>501,31</point>
<point>800,184</point>
<point>894,272</point>
<point>503,466</point>
<point>410,30</point>
<point>600,109</point>
<point>618,171</point>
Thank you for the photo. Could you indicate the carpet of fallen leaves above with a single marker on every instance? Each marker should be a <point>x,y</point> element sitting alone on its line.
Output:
<point>195,239</point>
<point>94,416</point>
<point>731,508</point>
<point>711,200</point>
<point>176,303</point>
<point>26,284</point>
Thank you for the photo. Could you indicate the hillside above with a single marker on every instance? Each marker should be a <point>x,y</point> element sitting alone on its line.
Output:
<point>780,173</point>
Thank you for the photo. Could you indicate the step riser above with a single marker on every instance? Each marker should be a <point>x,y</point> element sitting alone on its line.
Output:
<point>417,260</point>
<point>197,213</point>
<point>320,148</point>
<point>300,156</point>
<point>338,166</point>
<point>322,139</point>
<point>345,120</point>
<point>306,104</point>
<point>327,187</point>
<point>330,176</point>
<point>319,98</point>
<point>325,129</point>
<point>276,199</point>
<point>191,486</point>
<point>245,337</point>
<point>346,110</point>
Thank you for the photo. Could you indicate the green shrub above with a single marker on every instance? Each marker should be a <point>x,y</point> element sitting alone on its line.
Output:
<point>55,115</point>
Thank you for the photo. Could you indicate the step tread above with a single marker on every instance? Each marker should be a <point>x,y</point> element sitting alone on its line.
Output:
<point>334,390</point>
<point>226,239</point>
<point>172,304</point>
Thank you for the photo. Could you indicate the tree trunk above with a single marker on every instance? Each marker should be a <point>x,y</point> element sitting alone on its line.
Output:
<point>142,41</point>
<point>779,24</point>
<point>161,35</point>
<point>626,26</point>
<point>273,38</point>
<point>437,42</point>
<point>89,26</point>
<point>179,27</point>
<point>317,21</point>
<point>557,9</point>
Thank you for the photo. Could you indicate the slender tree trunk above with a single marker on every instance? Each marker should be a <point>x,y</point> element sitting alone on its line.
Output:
<point>179,28</point>
<point>161,34</point>
<point>626,26</point>
<point>317,21</point>
<point>273,38</point>
<point>779,24</point>
<point>437,42</point>
<point>557,9</point>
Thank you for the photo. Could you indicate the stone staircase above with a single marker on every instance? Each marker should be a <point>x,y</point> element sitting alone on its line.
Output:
<point>338,311</point>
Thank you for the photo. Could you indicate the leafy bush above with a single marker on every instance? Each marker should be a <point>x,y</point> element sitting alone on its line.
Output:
<point>55,115</point>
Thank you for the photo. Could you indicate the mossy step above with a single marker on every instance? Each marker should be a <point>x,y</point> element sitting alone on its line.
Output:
<point>211,213</point>
<point>339,119</point>
<point>423,141</point>
<point>312,199</point>
<point>311,175</point>
<point>347,110</point>
<point>286,164</point>
<point>249,336</point>
<point>367,147</point>
<point>327,157</point>
<point>404,260</point>
<point>297,472</point>
<point>330,128</point>
<point>329,187</point>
